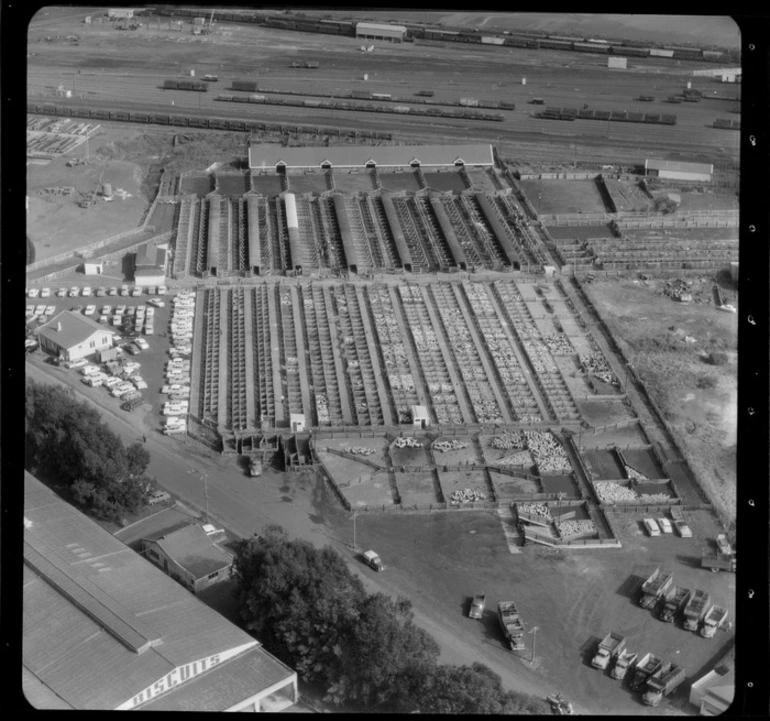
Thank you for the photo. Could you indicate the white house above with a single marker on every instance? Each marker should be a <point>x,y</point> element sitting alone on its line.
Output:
<point>71,336</point>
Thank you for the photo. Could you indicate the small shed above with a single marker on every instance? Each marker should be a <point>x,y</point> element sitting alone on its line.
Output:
<point>93,267</point>
<point>420,417</point>
<point>297,422</point>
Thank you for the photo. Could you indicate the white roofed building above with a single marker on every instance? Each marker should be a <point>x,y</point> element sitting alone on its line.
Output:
<point>381,31</point>
<point>675,170</point>
<point>72,335</point>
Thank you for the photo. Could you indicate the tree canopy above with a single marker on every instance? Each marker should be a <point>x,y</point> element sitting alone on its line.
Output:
<point>67,441</point>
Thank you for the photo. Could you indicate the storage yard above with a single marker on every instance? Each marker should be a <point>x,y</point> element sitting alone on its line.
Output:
<point>486,362</point>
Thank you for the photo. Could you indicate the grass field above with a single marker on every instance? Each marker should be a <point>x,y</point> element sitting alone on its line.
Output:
<point>564,196</point>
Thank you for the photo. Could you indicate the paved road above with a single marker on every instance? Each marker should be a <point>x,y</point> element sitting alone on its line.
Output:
<point>296,502</point>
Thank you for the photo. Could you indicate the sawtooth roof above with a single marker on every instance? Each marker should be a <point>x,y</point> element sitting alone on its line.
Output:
<point>101,623</point>
<point>268,156</point>
<point>75,329</point>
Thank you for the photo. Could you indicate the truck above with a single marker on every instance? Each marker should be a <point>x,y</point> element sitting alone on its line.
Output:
<point>611,645</point>
<point>373,561</point>
<point>723,546</point>
<point>713,620</point>
<point>560,706</point>
<point>513,629</point>
<point>623,662</point>
<point>715,561</point>
<point>663,682</point>
<point>656,585</point>
<point>675,602</point>
<point>695,610</point>
<point>649,665</point>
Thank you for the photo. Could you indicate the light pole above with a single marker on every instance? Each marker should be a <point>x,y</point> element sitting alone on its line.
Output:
<point>534,640</point>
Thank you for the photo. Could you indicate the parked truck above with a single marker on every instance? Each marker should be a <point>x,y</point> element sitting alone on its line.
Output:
<point>716,561</point>
<point>675,602</point>
<point>611,645</point>
<point>649,664</point>
<point>723,545</point>
<point>713,620</point>
<point>655,586</point>
<point>662,683</point>
<point>695,610</point>
<point>513,629</point>
<point>623,662</point>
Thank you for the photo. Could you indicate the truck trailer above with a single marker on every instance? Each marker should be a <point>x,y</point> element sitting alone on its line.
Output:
<point>713,620</point>
<point>675,602</point>
<point>655,586</point>
<point>623,662</point>
<point>695,610</point>
<point>649,665</point>
<point>611,645</point>
<point>716,561</point>
<point>513,629</point>
<point>662,683</point>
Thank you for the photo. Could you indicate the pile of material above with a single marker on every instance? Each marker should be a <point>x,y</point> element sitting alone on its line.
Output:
<point>322,406</point>
<point>635,475</point>
<point>509,440</point>
<point>522,458</point>
<point>59,190</point>
<point>407,443</point>
<point>449,445</point>
<point>535,509</point>
<point>548,453</point>
<point>359,450</point>
<point>569,529</point>
<point>596,364</point>
<point>558,344</point>
<point>678,289</point>
<point>467,495</point>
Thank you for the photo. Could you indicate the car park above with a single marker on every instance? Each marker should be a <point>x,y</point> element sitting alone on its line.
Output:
<point>90,310</point>
<point>45,293</point>
<point>73,292</point>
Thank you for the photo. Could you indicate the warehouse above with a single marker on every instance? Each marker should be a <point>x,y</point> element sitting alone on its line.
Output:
<point>675,170</point>
<point>150,264</point>
<point>190,556</point>
<point>381,31</point>
<point>713,692</point>
<point>71,336</point>
<point>104,629</point>
<point>273,157</point>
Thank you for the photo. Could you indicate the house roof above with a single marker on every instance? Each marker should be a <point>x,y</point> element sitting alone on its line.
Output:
<point>656,164</point>
<point>192,549</point>
<point>101,623</point>
<point>379,28</point>
<point>75,329</point>
<point>356,156</point>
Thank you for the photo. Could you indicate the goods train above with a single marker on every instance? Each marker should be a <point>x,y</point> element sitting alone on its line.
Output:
<point>551,113</point>
<point>196,122</point>
<point>180,84</point>
<point>342,105</point>
<point>416,31</point>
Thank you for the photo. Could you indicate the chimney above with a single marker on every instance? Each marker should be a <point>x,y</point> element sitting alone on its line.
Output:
<point>58,327</point>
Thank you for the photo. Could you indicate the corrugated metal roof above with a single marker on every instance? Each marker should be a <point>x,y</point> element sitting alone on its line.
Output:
<point>192,549</point>
<point>655,164</point>
<point>380,28</point>
<point>71,651</point>
<point>356,156</point>
<point>75,329</point>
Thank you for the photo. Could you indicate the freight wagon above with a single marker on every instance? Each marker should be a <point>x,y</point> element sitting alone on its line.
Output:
<point>249,86</point>
<point>196,85</point>
<point>555,45</point>
<point>591,48</point>
<point>630,52</point>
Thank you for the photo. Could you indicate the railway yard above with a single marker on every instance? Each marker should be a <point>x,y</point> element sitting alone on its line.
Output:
<point>485,365</point>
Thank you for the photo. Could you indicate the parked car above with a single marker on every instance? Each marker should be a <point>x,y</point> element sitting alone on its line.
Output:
<point>683,529</point>
<point>87,291</point>
<point>90,310</point>
<point>651,527</point>
<point>61,293</point>
<point>142,343</point>
<point>106,310</point>
<point>33,292</point>
<point>477,606</point>
<point>112,291</point>
<point>120,310</point>
<point>137,291</point>
<point>665,525</point>
<point>158,497</point>
<point>125,290</point>
<point>45,293</point>
<point>162,290</point>
<point>157,303</point>
<point>50,309</point>
<point>373,560</point>
<point>101,291</point>
<point>74,290</point>
<point>79,363</point>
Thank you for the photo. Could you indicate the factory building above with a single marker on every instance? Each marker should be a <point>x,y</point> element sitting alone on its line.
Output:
<point>103,629</point>
<point>381,31</point>
<point>190,556</point>
<point>150,264</point>
<point>674,170</point>
<point>71,336</point>
<point>361,157</point>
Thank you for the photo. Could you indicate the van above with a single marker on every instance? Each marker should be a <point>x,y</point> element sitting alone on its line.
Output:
<point>651,527</point>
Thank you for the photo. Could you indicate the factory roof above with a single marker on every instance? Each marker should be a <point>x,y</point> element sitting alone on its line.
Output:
<point>150,256</point>
<point>75,329</point>
<point>379,28</point>
<point>656,164</point>
<point>102,625</point>
<point>357,156</point>
<point>192,549</point>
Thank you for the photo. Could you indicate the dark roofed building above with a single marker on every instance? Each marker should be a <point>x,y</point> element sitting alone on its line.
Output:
<point>273,157</point>
<point>190,556</point>
<point>150,264</point>
<point>72,335</point>
<point>104,629</point>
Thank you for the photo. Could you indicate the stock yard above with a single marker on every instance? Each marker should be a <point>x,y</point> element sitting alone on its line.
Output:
<point>334,307</point>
